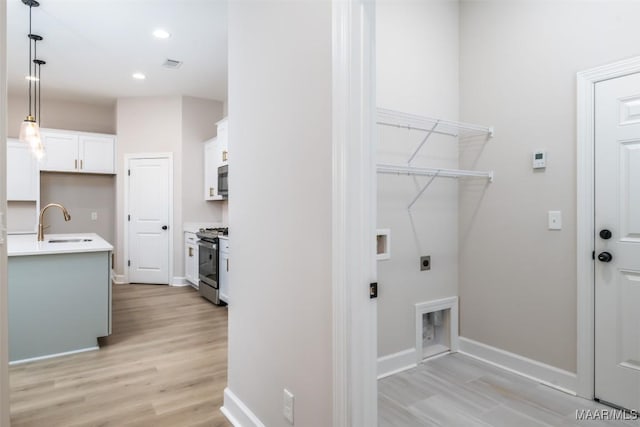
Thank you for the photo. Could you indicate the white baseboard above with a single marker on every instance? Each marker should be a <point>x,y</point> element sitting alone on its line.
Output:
<point>180,281</point>
<point>51,356</point>
<point>397,362</point>
<point>545,374</point>
<point>120,279</point>
<point>237,412</point>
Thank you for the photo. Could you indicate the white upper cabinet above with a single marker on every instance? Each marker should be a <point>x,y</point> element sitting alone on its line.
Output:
<point>211,170</point>
<point>223,142</point>
<point>61,152</point>
<point>68,151</point>
<point>23,176</point>
<point>216,154</point>
<point>97,153</point>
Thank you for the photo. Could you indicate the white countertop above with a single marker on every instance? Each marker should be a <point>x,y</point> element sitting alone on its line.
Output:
<point>27,244</point>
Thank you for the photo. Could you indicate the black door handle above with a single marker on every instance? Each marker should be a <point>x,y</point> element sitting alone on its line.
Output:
<point>605,234</point>
<point>164,227</point>
<point>605,256</point>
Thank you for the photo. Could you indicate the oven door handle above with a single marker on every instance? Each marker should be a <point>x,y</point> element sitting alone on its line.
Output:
<point>206,244</point>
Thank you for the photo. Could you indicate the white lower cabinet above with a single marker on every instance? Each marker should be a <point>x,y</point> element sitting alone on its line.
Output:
<point>191,258</point>
<point>224,270</point>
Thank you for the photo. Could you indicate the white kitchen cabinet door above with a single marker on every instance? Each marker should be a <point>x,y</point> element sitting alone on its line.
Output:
<point>223,275</point>
<point>96,154</point>
<point>191,258</point>
<point>61,152</point>
<point>23,176</point>
<point>211,170</point>
<point>223,142</point>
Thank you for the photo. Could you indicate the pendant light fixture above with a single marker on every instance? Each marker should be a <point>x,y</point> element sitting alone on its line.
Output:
<point>30,129</point>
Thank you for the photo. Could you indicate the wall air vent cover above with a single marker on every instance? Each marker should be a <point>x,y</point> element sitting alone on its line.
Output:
<point>172,63</point>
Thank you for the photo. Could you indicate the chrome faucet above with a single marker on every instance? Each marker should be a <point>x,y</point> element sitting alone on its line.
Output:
<point>67,217</point>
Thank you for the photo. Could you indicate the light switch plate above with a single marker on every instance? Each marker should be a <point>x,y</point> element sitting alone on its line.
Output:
<point>555,220</point>
<point>287,405</point>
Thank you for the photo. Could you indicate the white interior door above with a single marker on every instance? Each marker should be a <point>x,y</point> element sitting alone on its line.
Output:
<point>617,210</point>
<point>148,216</point>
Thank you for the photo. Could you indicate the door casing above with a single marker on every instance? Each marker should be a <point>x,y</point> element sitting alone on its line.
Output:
<point>585,232</point>
<point>127,162</point>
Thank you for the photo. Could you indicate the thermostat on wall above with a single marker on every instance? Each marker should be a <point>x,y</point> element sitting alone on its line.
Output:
<point>539,159</point>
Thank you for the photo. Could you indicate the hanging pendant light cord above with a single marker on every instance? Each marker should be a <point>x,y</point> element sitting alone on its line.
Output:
<point>39,96</point>
<point>36,83</point>
<point>30,62</point>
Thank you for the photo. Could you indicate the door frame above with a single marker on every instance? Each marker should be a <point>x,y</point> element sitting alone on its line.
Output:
<point>353,212</point>
<point>4,306</point>
<point>585,225</point>
<point>127,161</point>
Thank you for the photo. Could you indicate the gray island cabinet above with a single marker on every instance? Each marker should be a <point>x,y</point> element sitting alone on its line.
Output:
<point>59,294</point>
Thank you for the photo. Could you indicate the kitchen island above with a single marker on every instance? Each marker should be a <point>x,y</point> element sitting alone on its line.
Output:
<point>59,294</point>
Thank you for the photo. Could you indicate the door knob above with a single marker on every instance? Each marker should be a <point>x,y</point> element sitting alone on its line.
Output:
<point>605,234</point>
<point>164,227</point>
<point>605,256</point>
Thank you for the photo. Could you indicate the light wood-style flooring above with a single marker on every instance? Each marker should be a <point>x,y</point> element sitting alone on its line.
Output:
<point>456,390</point>
<point>164,365</point>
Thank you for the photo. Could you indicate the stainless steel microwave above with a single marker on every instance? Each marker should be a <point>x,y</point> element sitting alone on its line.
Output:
<point>223,181</point>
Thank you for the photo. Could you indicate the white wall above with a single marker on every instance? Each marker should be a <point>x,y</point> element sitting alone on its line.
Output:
<point>518,72</point>
<point>63,114</point>
<point>280,212</point>
<point>417,71</point>
<point>81,195</point>
<point>4,332</point>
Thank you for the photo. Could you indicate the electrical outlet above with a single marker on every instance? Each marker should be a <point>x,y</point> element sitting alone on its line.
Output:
<point>287,405</point>
<point>94,216</point>
<point>425,262</point>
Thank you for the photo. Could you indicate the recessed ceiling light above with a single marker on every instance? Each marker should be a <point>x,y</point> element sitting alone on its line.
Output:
<point>161,34</point>
<point>139,76</point>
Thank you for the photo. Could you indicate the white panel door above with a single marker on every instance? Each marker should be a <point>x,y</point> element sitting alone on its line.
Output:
<point>97,154</point>
<point>23,178</point>
<point>149,186</point>
<point>61,152</point>
<point>617,237</point>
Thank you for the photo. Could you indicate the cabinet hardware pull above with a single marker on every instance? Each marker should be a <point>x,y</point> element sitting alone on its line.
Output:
<point>227,264</point>
<point>224,155</point>
<point>80,164</point>
<point>75,165</point>
<point>190,251</point>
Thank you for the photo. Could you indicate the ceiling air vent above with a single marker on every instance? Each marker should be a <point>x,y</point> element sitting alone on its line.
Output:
<point>172,63</point>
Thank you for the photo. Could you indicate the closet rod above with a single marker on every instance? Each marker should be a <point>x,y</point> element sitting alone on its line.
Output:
<point>439,172</point>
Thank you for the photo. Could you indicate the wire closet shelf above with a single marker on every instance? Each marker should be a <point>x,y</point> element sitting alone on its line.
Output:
<point>430,126</point>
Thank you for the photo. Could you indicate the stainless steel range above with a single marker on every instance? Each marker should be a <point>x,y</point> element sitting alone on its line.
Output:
<point>208,263</point>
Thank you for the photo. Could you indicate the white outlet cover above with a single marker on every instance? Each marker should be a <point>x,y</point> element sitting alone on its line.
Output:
<point>555,220</point>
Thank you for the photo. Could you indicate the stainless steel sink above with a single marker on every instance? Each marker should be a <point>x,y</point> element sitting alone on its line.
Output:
<point>69,240</point>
